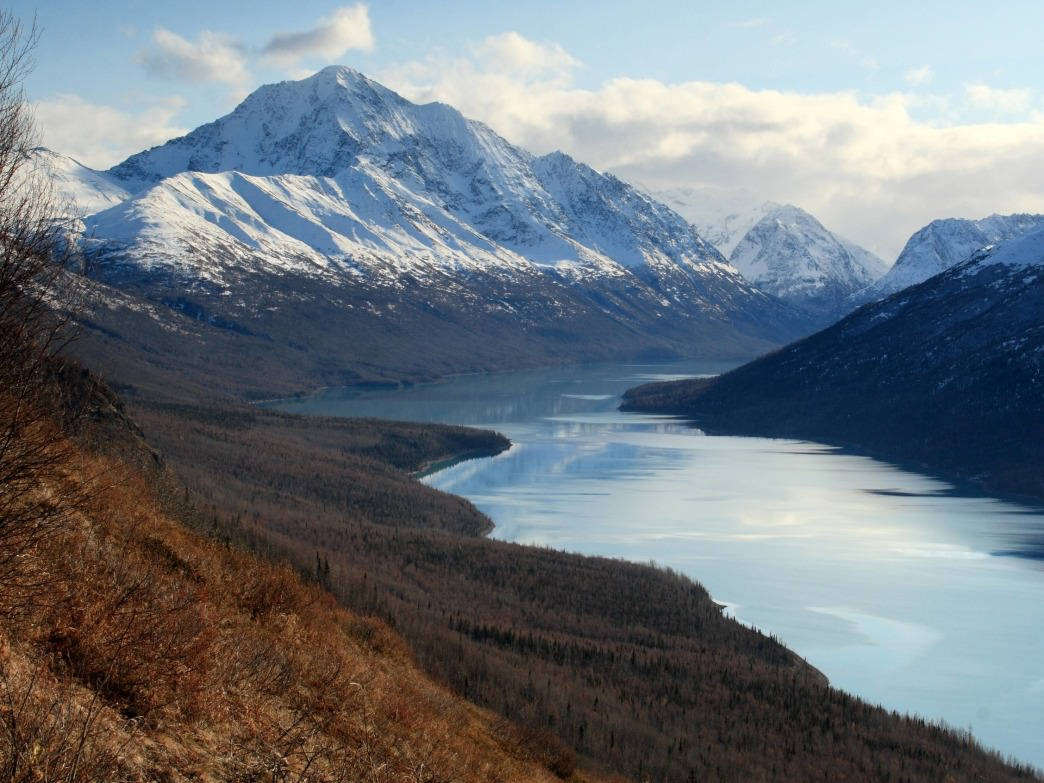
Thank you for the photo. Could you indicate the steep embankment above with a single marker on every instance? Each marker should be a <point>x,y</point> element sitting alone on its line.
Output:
<point>133,649</point>
<point>948,374</point>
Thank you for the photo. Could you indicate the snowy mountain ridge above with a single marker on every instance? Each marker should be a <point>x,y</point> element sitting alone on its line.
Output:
<point>427,171</point>
<point>941,245</point>
<point>82,190</point>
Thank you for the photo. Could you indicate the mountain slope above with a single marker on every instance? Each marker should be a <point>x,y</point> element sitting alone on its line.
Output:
<point>134,649</point>
<point>948,373</point>
<point>358,235</point>
<point>941,244</point>
<point>780,248</point>
<point>83,190</point>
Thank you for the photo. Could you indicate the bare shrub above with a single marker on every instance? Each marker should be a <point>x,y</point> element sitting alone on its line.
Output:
<point>32,259</point>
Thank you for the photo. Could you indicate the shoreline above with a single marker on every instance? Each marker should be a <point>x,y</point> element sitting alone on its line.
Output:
<point>432,466</point>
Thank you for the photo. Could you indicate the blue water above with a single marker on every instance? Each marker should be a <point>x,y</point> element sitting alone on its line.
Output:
<point>899,588</point>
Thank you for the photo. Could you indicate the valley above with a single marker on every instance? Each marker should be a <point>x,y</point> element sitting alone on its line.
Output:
<point>623,662</point>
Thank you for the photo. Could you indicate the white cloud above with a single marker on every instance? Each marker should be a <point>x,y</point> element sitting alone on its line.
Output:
<point>865,166</point>
<point>346,28</point>
<point>511,53</point>
<point>212,58</point>
<point>1014,100</point>
<point>919,76</point>
<point>101,136</point>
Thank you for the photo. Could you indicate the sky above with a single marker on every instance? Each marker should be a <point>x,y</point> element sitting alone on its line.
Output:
<point>876,119</point>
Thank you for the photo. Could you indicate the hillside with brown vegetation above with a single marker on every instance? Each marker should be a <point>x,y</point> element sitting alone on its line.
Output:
<point>133,649</point>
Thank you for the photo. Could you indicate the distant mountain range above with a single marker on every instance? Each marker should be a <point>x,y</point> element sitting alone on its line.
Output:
<point>780,248</point>
<point>947,374</point>
<point>333,227</point>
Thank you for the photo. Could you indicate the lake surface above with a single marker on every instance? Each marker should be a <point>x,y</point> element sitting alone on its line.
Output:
<point>899,588</point>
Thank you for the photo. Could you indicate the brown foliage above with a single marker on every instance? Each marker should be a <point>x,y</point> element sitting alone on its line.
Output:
<point>160,655</point>
<point>130,648</point>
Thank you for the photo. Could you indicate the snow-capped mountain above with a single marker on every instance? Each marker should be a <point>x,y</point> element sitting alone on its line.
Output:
<point>415,221</point>
<point>341,165</point>
<point>941,244</point>
<point>948,373</point>
<point>791,255</point>
<point>780,248</point>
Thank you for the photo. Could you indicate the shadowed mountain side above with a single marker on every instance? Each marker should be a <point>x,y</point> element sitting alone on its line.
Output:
<point>948,375</point>
<point>173,337</point>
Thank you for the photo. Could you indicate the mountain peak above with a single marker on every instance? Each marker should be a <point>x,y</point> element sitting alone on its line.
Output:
<point>788,212</point>
<point>340,73</point>
<point>338,82</point>
<point>790,254</point>
<point>314,126</point>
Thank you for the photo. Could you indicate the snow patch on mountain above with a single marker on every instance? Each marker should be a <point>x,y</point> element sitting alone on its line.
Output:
<point>80,190</point>
<point>1024,251</point>
<point>290,222</point>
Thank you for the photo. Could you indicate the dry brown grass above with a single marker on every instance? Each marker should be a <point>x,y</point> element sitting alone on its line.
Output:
<point>149,653</point>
